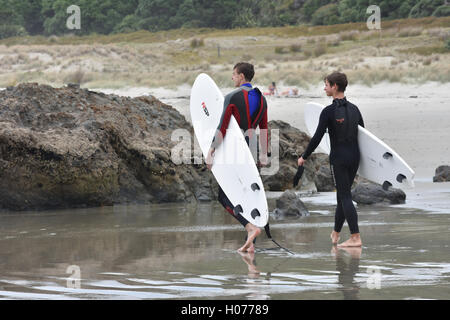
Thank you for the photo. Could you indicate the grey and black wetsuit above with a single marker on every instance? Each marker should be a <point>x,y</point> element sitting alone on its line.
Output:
<point>249,108</point>
<point>341,118</point>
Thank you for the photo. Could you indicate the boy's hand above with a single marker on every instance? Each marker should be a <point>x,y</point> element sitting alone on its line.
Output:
<point>210,158</point>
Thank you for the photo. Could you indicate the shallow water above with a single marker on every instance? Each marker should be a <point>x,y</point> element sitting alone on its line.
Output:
<point>179,251</point>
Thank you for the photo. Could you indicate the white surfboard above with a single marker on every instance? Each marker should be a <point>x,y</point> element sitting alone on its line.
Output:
<point>233,166</point>
<point>379,163</point>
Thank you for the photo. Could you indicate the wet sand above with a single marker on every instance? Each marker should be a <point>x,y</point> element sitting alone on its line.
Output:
<point>177,251</point>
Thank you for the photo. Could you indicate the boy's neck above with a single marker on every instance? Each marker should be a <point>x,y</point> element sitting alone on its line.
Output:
<point>339,95</point>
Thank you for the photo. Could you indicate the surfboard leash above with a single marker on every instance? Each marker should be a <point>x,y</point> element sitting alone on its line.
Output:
<point>267,229</point>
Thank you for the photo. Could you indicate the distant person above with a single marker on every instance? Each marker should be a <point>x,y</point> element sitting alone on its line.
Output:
<point>290,93</point>
<point>341,118</point>
<point>273,89</point>
<point>249,108</point>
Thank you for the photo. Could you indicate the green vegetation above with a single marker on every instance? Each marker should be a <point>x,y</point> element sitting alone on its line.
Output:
<point>405,50</point>
<point>48,17</point>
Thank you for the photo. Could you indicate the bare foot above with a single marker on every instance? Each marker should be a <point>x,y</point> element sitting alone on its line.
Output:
<point>251,249</point>
<point>334,237</point>
<point>253,232</point>
<point>354,241</point>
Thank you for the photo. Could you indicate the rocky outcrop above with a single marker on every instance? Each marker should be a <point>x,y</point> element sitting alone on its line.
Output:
<point>71,147</point>
<point>371,193</point>
<point>292,143</point>
<point>442,174</point>
<point>289,204</point>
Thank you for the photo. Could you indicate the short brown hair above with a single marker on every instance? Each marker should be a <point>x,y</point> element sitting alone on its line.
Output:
<point>338,78</point>
<point>247,69</point>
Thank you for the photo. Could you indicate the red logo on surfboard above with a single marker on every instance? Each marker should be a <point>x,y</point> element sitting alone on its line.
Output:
<point>205,109</point>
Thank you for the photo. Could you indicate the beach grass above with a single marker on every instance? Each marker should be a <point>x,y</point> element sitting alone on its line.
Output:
<point>405,50</point>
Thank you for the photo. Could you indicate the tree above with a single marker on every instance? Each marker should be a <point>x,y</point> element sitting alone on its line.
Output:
<point>30,11</point>
<point>11,24</point>
<point>157,14</point>
<point>100,16</point>
<point>425,8</point>
<point>311,6</point>
<point>442,11</point>
<point>326,15</point>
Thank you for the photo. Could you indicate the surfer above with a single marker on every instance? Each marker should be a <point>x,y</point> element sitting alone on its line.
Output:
<point>341,118</point>
<point>249,107</point>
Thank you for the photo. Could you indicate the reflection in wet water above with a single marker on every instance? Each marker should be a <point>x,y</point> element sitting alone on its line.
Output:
<point>347,268</point>
<point>178,251</point>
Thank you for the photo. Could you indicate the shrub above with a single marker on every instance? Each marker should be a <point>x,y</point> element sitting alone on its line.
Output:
<point>326,15</point>
<point>296,48</point>
<point>410,32</point>
<point>320,49</point>
<point>348,36</point>
<point>195,43</point>
<point>427,61</point>
<point>442,11</point>
<point>280,50</point>
<point>7,31</point>
<point>307,53</point>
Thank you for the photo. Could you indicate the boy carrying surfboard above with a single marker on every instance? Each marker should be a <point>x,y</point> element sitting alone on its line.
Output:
<point>249,107</point>
<point>341,118</point>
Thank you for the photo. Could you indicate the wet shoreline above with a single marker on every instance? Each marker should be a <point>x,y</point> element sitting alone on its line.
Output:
<point>188,251</point>
<point>178,251</point>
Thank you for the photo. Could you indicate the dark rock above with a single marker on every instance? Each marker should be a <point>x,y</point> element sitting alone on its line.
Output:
<point>292,143</point>
<point>372,193</point>
<point>66,147</point>
<point>324,178</point>
<point>442,174</point>
<point>73,85</point>
<point>289,204</point>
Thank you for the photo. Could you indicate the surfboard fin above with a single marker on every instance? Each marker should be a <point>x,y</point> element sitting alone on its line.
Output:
<point>387,155</point>
<point>386,185</point>
<point>238,209</point>
<point>400,177</point>
<point>255,186</point>
<point>255,213</point>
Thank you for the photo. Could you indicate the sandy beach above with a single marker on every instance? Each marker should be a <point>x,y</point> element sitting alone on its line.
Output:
<point>188,251</point>
<point>167,247</point>
<point>412,119</point>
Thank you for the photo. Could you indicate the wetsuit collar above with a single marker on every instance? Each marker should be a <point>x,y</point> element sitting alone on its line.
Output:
<point>339,102</point>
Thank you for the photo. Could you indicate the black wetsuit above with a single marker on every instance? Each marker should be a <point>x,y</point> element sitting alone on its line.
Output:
<point>237,104</point>
<point>341,118</point>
